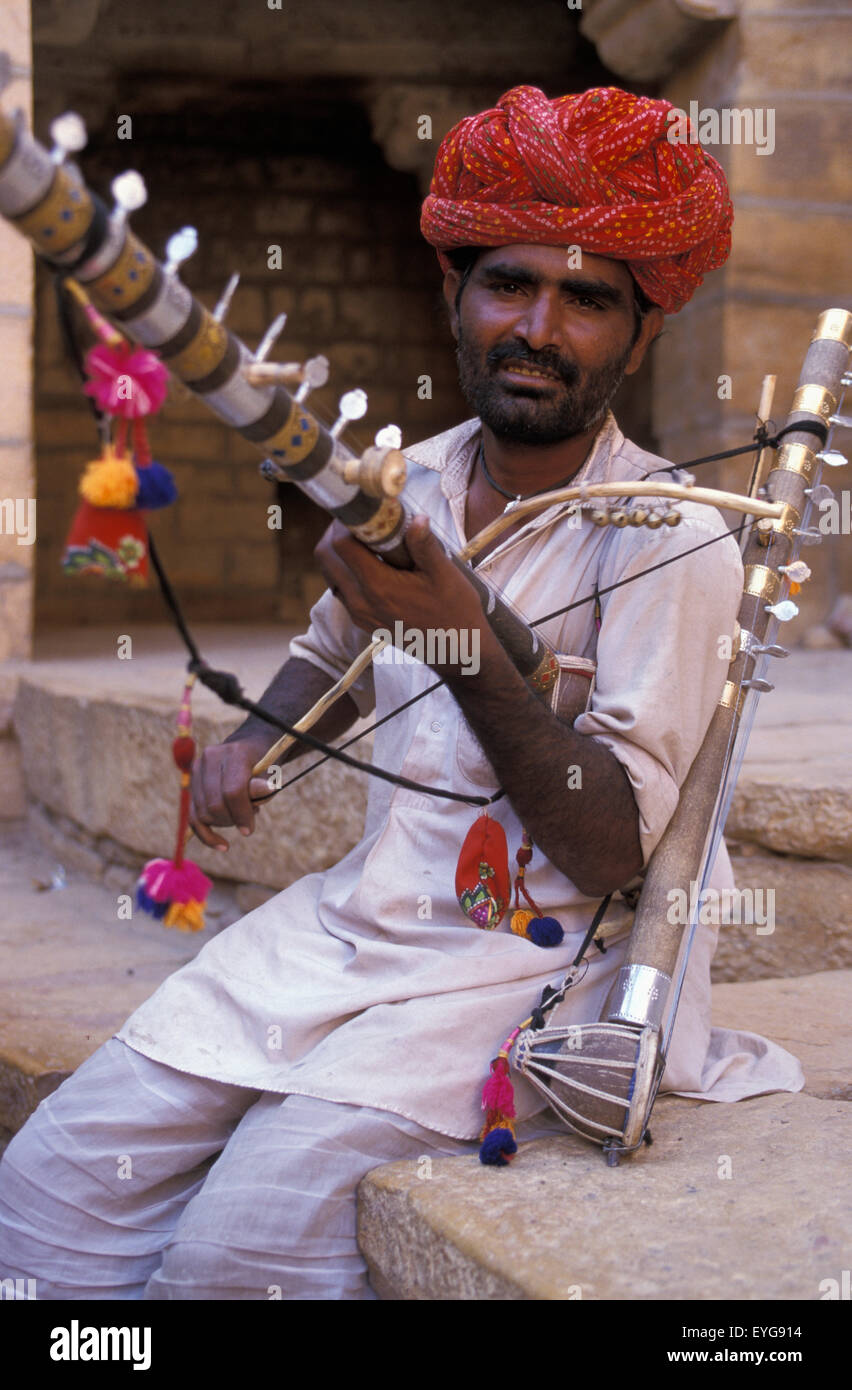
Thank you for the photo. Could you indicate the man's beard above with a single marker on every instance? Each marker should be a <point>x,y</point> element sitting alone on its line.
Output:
<point>539,417</point>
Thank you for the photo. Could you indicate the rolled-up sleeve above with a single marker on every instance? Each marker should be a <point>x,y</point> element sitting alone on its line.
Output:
<point>662,656</point>
<point>332,643</point>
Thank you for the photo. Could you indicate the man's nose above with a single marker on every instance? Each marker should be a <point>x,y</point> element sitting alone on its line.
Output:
<point>540,322</point>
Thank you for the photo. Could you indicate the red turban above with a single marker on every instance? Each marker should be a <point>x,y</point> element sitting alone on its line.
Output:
<point>595,170</point>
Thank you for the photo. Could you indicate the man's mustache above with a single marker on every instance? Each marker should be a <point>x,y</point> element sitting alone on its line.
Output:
<point>546,361</point>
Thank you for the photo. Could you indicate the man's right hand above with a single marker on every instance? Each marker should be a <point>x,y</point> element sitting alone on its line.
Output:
<point>223,789</point>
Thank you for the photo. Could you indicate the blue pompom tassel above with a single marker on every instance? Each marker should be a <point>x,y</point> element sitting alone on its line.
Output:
<point>545,931</point>
<point>148,904</point>
<point>157,487</point>
<point>496,1144</point>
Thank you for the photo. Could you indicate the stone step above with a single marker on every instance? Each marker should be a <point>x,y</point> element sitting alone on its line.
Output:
<point>72,972</point>
<point>96,733</point>
<point>666,1224</point>
<point>731,1202</point>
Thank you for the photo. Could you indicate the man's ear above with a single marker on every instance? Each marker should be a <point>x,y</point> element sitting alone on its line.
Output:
<point>652,326</point>
<point>452,280</point>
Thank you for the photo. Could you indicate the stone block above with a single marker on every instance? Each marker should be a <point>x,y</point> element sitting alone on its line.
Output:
<point>809,157</point>
<point>809,1015</point>
<point>104,761</point>
<point>358,362</point>
<point>12,799</point>
<point>15,382</point>
<point>253,565</point>
<point>552,1226</point>
<point>16,271</point>
<point>770,241</point>
<point>316,314</point>
<point>783,35</point>
<point>188,441</point>
<point>16,600</point>
<point>812,910</point>
<point>283,217</point>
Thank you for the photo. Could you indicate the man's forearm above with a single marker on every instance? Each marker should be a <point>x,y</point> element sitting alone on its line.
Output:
<point>295,689</point>
<point>571,794</point>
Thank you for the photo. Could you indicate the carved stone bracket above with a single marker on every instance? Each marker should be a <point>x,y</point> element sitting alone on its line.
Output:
<point>409,121</point>
<point>64,22</point>
<point>645,42</point>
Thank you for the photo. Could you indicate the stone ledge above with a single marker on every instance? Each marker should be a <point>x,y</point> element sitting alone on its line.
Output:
<point>812,910</point>
<point>560,1225</point>
<point>96,732</point>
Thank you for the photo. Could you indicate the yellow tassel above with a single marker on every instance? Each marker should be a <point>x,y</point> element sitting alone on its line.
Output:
<point>110,481</point>
<point>185,916</point>
<point>520,921</point>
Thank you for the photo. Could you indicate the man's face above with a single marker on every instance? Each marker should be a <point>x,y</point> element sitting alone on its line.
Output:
<point>543,345</point>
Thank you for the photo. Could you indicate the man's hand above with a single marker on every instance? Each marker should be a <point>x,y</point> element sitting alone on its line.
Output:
<point>433,595</point>
<point>223,788</point>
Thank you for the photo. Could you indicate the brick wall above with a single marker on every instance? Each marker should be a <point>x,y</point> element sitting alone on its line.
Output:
<point>357,283</point>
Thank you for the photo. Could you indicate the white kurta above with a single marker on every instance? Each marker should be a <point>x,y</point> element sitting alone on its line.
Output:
<point>366,984</point>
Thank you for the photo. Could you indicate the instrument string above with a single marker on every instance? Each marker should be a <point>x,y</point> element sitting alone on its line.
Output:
<point>578,603</point>
<point>226,686</point>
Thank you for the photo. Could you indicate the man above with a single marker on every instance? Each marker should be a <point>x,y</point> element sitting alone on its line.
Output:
<point>350,1020</point>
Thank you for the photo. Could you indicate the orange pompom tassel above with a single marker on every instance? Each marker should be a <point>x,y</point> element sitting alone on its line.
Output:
<point>110,481</point>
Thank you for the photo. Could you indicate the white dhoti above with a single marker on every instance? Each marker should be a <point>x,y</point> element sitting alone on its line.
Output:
<point>134,1180</point>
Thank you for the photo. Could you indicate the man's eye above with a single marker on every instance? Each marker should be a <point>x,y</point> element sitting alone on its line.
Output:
<point>585,301</point>
<point>504,286</point>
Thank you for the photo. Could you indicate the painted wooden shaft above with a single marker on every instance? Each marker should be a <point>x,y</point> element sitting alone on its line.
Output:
<point>676,862</point>
<point>71,227</point>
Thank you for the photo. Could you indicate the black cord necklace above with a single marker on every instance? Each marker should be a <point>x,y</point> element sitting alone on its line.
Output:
<point>518,497</point>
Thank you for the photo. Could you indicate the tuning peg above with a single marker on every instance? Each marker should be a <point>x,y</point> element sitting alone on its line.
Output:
<point>808,537</point>
<point>352,406</point>
<point>758,684</point>
<point>179,248</point>
<point>129,191</point>
<point>270,337</point>
<point>271,471</point>
<point>783,611</point>
<point>843,421</point>
<point>833,458</point>
<point>314,375</point>
<point>820,493</point>
<point>69,136</point>
<point>388,438</point>
<point>798,571</point>
<point>770,651</point>
<point>225,298</point>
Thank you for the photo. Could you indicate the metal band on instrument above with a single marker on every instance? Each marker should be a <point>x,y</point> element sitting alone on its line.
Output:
<point>639,996</point>
<point>127,279</point>
<point>383,524</point>
<point>63,215</point>
<point>835,325</point>
<point>761,582</point>
<point>732,696</point>
<point>795,458</point>
<point>813,400</point>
